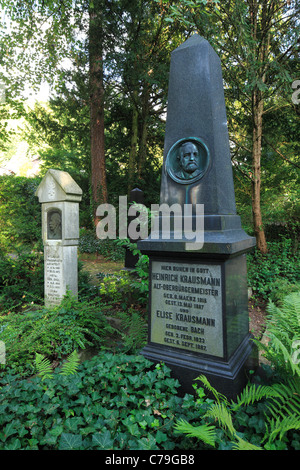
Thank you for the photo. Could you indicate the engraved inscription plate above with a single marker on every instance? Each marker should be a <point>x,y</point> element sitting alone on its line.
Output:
<point>186,306</point>
<point>53,275</point>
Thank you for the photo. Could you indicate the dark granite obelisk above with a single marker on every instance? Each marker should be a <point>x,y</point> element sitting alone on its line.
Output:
<point>198,307</point>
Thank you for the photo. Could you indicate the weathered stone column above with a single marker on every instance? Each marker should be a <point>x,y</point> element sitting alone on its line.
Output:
<point>59,195</point>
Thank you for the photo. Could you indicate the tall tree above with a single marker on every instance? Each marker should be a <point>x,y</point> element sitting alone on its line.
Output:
<point>40,39</point>
<point>255,40</point>
<point>143,65</point>
<point>98,173</point>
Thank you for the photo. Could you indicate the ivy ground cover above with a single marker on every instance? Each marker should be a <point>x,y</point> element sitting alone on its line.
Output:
<point>111,402</point>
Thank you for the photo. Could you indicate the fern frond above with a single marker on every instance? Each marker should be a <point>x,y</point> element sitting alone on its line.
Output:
<point>281,427</point>
<point>218,396</point>
<point>71,365</point>
<point>291,303</point>
<point>244,445</point>
<point>287,354</point>
<point>283,409</point>
<point>219,412</point>
<point>205,432</point>
<point>253,393</point>
<point>287,400</point>
<point>136,330</point>
<point>43,367</point>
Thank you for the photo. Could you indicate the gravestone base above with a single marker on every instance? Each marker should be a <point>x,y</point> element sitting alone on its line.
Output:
<point>198,315</point>
<point>228,378</point>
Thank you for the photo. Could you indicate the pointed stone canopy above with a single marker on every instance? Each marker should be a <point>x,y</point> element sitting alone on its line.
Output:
<point>58,186</point>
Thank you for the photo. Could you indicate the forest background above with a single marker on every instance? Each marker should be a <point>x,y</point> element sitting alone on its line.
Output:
<point>107,63</point>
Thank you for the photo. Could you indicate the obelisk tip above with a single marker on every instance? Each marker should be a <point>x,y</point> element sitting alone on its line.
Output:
<point>193,40</point>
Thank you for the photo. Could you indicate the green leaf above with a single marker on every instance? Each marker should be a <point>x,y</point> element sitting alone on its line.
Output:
<point>15,445</point>
<point>9,430</point>
<point>48,440</point>
<point>161,437</point>
<point>81,400</point>
<point>71,365</point>
<point>70,441</point>
<point>33,442</point>
<point>147,443</point>
<point>103,440</point>
<point>57,431</point>
<point>72,423</point>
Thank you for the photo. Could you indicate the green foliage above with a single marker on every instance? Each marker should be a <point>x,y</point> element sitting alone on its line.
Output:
<point>204,432</point>
<point>54,332</point>
<point>45,370</point>
<point>20,212</point>
<point>21,278</point>
<point>254,422</point>
<point>71,364</point>
<point>134,330</point>
<point>118,402</point>
<point>43,367</point>
<point>127,287</point>
<point>276,273</point>
<point>252,394</point>
<point>263,416</point>
<point>283,330</point>
<point>283,410</point>
<point>89,243</point>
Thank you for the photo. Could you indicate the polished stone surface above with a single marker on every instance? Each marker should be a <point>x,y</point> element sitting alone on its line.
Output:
<point>198,321</point>
<point>196,109</point>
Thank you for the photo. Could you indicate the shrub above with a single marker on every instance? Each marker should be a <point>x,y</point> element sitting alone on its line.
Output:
<point>20,212</point>
<point>53,332</point>
<point>21,278</point>
<point>127,287</point>
<point>89,243</point>
<point>283,330</point>
<point>276,273</point>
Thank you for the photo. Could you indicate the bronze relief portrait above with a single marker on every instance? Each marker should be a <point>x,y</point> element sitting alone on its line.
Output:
<point>187,160</point>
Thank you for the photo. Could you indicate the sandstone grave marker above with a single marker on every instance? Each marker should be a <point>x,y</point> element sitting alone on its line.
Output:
<point>59,195</point>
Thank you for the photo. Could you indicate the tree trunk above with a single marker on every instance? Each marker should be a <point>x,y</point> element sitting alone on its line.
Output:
<point>98,173</point>
<point>144,131</point>
<point>260,46</point>
<point>133,146</point>
<point>257,112</point>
